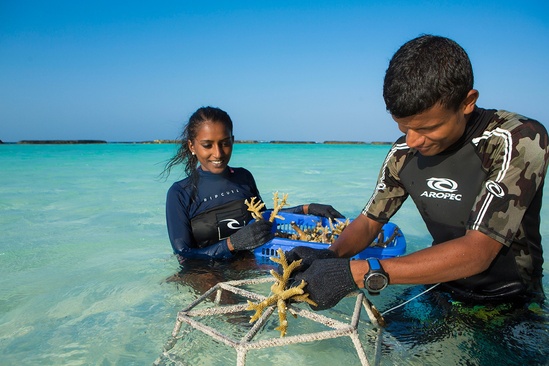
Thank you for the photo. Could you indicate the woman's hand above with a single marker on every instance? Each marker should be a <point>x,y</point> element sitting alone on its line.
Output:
<point>251,236</point>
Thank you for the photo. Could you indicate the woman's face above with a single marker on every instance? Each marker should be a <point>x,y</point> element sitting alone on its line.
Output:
<point>213,146</point>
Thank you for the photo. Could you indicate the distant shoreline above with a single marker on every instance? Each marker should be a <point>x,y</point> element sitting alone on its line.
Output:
<point>75,142</point>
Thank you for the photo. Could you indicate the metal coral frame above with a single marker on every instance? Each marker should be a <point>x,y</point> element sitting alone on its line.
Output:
<point>247,342</point>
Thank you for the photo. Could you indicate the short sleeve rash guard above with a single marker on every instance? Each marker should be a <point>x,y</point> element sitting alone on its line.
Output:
<point>491,180</point>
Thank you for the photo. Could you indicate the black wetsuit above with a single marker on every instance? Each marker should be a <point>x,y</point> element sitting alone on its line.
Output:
<point>200,220</point>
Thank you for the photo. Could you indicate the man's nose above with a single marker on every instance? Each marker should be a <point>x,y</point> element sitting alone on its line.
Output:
<point>414,139</point>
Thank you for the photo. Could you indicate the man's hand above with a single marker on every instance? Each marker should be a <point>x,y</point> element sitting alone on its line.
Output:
<point>307,256</point>
<point>328,281</point>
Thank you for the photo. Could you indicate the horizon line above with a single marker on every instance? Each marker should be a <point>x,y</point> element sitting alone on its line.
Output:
<point>158,141</point>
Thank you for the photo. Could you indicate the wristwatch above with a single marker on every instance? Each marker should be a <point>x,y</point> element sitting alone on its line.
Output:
<point>376,279</point>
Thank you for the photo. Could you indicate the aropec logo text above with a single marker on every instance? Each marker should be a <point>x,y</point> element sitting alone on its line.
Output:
<point>442,188</point>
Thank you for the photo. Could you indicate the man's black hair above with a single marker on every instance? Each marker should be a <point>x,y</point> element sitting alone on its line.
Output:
<point>425,71</point>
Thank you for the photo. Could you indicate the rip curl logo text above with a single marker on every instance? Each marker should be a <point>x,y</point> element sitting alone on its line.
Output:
<point>442,188</point>
<point>220,194</point>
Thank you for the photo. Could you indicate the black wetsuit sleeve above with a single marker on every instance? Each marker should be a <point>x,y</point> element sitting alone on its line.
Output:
<point>294,210</point>
<point>180,233</point>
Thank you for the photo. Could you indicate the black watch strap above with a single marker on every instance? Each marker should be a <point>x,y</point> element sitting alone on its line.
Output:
<point>376,279</point>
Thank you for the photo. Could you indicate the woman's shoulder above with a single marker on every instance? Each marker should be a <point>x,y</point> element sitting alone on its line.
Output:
<point>239,171</point>
<point>182,185</point>
<point>242,176</point>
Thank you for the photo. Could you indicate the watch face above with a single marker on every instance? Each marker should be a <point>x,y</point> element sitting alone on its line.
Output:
<point>377,282</point>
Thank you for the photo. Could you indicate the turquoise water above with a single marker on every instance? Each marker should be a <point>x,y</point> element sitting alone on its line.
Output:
<point>86,271</point>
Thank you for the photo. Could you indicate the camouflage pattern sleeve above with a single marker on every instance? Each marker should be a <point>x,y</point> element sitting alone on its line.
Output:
<point>514,151</point>
<point>389,193</point>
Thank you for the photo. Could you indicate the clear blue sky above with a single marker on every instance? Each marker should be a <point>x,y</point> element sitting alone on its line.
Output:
<point>284,70</point>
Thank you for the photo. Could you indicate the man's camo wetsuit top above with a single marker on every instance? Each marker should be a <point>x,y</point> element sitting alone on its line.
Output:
<point>491,180</point>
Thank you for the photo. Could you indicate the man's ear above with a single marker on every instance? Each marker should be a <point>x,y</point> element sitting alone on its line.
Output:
<point>470,101</point>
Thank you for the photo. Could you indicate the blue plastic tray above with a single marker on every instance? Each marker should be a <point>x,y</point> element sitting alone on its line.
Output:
<point>395,248</point>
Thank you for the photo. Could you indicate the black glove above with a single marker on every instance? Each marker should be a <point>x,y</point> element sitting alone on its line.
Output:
<point>328,281</point>
<point>253,235</point>
<point>307,255</point>
<point>327,211</point>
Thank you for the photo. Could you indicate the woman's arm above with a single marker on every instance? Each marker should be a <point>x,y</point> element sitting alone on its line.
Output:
<point>180,233</point>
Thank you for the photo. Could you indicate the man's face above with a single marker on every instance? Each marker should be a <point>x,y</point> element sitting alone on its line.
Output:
<point>434,130</point>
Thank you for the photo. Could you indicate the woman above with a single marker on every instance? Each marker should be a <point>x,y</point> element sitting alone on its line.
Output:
<point>205,212</point>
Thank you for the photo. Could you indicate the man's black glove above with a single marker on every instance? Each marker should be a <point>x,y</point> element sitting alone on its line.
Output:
<point>327,211</point>
<point>253,235</point>
<point>307,255</point>
<point>328,281</point>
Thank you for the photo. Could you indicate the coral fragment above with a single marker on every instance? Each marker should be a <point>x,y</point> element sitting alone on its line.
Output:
<point>281,293</point>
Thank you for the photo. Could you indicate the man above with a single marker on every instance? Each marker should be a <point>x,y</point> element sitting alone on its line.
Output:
<point>475,175</point>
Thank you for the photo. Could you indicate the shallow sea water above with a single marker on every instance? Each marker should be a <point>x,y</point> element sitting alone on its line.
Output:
<point>87,276</point>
